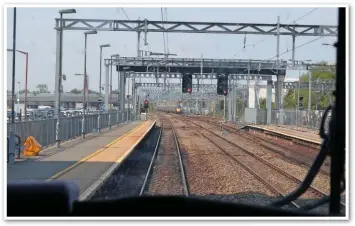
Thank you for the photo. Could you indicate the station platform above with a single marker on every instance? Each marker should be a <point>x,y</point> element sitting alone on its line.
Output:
<point>51,150</point>
<point>86,162</point>
<point>302,130</point>
<point>307,136</point>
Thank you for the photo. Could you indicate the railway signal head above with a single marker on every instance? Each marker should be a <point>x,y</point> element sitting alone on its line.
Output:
<point>146,104</point>
<point>222,85</point>
<point>186,83</point>
<point>300,103</point>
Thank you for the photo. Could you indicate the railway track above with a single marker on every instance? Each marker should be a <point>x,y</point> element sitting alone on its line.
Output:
<point>128,178</point>
<point>269,145</point>
<point>153,168</point>
<point>271,187</point>
<point>166,174</point>
<point>311,152</point>
<point>214,175</point>
<point>315,192</point>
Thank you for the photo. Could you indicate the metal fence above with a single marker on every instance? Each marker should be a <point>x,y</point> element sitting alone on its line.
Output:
<point>284,117</point>
<point>302,118</point>
<point>44,130</point>
<point>252,116</point>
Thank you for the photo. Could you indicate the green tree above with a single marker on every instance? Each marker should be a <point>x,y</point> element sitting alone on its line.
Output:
<point>42,88</point>
<point>319,100</point>
<point>23,91</point>
<point>320,73</point>
<point>240,105</point>
<point>290,99</point>
<point>75,91</point>
<point>93,92</point>
<point>262,102</point>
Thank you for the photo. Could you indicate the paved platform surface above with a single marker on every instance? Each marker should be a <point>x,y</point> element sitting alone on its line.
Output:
<point>296,132</point>
<point>90,175</point>
<point>50,150</point>
<point>53,160</point>
<point>301,129</point>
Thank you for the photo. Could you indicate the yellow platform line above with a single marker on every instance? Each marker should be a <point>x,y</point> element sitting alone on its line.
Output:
<point>55,176</point>
<point>89,191</point>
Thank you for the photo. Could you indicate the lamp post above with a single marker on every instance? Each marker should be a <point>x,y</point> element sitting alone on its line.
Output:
<point>113,56</point>
<point>309,89</point>
<point>18,100</point>
<point>80,74</point>
<point>85,82</point>
<point>122,90</point>
<point>110,91</point>
<point>13,74</point>
<point>26,76</point>
<point>102,46</point>
<point>59,73</point>
<point>128,102</point>
<point>100,87</point>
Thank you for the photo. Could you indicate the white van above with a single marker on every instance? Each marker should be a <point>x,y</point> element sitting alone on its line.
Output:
<point>42,107</point>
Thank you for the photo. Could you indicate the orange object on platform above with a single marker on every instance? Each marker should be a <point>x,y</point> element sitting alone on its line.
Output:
<point>32,147</point>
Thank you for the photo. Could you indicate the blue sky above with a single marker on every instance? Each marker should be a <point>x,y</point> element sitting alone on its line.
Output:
<point>36,35</point>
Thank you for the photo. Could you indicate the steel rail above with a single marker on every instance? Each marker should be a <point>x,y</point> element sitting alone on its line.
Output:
<point>247,168</point>
<point>151,163</point>
<point>291,177</point>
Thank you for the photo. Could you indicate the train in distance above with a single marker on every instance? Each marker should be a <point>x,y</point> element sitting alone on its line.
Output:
<point>177,109</point>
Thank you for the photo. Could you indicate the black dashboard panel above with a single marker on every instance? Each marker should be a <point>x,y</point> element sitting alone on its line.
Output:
<point>59,199</point>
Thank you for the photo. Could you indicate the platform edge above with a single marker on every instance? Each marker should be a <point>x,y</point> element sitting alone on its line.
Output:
<point>97,184</point>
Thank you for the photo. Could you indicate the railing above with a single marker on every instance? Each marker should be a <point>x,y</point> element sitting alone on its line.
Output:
<point>44,131</point>
<point>300,118</point>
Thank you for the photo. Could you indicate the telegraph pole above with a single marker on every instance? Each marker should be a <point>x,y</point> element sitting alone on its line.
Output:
<point>278,39</point>
<point>58,77</point>
<point>13,73</point>
<point>279,86</point>
<point>309,95</point>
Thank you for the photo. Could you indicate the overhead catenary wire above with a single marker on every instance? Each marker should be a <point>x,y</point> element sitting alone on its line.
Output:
<point>261,40</point>
<point>299,18</point>
<point>306,43</point>
<point>124,12</point>
<point>299,46</point>
<point>305,15</point>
